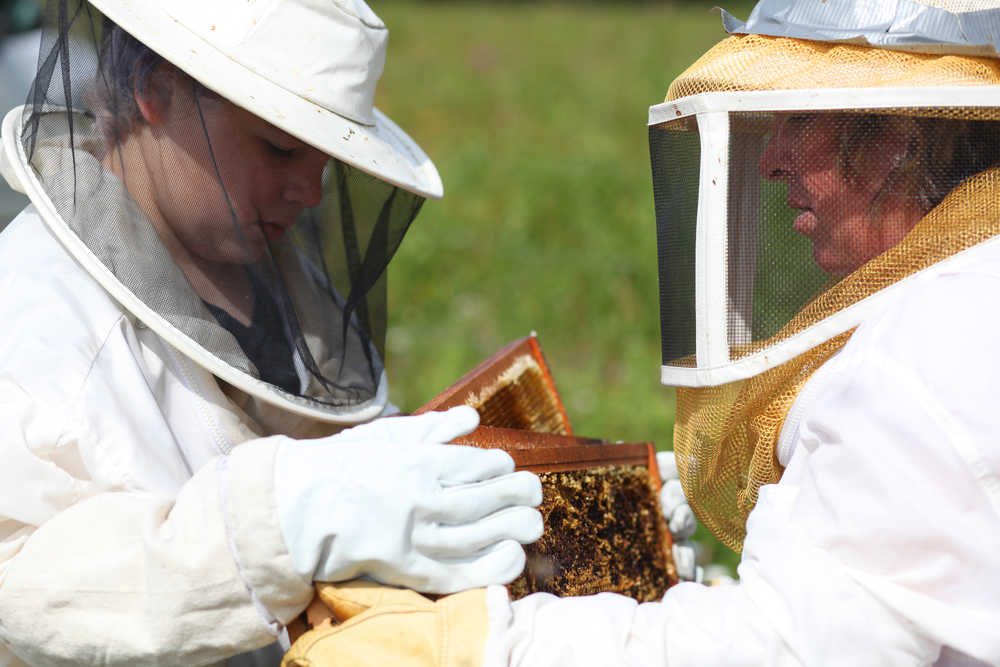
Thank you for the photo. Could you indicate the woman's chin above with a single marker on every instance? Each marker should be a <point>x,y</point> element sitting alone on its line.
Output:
<point>832,262</point>
<point>243,253</point>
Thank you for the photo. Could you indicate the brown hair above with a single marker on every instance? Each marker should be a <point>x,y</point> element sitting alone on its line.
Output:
<point>127,67</point>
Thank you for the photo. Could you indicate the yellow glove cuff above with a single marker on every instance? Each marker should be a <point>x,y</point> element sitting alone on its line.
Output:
<point>379,625</point>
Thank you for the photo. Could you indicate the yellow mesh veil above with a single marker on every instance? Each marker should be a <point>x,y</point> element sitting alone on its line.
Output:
<point>762,62</point>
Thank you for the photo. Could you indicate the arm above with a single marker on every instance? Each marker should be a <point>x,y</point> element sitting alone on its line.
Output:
<point>110,529</point>
<point>119,577</point>
<point>123,577</point>
<point>878,545</point>
<point>880,541</point>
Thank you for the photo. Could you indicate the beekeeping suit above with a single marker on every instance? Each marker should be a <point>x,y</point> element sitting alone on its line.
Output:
<point>827,193</point>
<point>197,285</point>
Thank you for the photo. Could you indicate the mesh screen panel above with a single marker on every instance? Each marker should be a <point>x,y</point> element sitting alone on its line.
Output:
<point>812,197</point>
<point>675,154</point>
<point>836,190</point>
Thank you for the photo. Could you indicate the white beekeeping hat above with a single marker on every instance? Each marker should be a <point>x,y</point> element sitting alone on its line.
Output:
<point>219,167</point>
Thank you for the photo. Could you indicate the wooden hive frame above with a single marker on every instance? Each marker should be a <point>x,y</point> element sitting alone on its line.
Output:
<point>522,413</point>
<point>517,378</point>
<point>537,442</point>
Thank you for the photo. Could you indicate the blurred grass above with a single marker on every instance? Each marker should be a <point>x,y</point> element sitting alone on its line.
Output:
<point>535,115</point>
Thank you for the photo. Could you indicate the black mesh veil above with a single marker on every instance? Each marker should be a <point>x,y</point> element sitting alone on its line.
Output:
<point>249,243</point>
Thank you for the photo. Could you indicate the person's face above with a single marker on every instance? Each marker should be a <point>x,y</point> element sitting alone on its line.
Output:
<point>839,216</point>
<point>269,178</point>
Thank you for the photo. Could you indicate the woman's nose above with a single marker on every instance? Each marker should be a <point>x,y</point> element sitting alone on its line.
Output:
<point>774,164</point>
<point>770,164</point>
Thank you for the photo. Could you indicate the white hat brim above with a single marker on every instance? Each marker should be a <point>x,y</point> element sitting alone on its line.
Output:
<point>382,150</point>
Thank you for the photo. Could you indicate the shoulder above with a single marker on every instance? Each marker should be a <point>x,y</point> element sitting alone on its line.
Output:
<point>56,317</point>
<point>950,313</point>
<point>929,353</point>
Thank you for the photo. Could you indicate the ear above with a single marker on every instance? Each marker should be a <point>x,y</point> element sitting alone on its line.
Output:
<point>889,152</point>
<point>154,94</point>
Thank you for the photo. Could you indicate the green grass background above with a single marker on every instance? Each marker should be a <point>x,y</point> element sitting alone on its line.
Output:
<point>535,115</point>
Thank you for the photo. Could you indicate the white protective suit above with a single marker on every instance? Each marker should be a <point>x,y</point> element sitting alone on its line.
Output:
<point>119,455</point>
<point>879,546</point>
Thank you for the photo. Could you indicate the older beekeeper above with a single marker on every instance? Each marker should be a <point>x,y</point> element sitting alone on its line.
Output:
<point>827,188</point>
<point>193,314</point>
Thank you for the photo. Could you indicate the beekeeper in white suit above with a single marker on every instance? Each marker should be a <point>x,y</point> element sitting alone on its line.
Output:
<point>827,187</point>
<point>192,304</point>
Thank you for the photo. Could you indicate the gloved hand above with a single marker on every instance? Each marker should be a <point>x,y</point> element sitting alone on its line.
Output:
<point>375,625</point>
<point>390,501</point>
<point>363,624</point>
<point>680,519</point>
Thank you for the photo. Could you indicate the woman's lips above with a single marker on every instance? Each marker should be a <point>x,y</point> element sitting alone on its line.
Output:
<point>806,223</point>
<point>274,231</point>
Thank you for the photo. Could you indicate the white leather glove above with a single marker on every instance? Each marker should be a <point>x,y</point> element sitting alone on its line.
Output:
<point>388,500</point>
<point>680,519</point>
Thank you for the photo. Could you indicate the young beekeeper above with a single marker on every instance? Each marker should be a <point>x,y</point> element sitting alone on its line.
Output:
<point>192,304</point>
<point>827,187</point>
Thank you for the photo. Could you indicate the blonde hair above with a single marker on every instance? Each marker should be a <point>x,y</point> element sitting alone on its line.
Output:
<point>940,153</point>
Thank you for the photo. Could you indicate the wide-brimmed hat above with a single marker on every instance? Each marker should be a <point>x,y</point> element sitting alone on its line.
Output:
<point>305,66</point>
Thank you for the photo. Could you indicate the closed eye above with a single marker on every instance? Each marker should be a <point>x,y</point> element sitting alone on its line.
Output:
<point>277,150</point>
